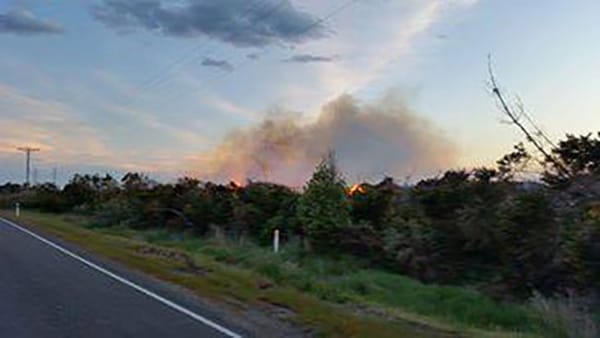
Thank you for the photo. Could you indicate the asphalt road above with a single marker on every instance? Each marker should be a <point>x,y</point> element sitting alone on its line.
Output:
<point>48,293</point>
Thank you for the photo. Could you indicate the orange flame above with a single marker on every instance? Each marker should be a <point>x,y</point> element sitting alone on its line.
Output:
<point>357,188</point>
<point>235,184</point>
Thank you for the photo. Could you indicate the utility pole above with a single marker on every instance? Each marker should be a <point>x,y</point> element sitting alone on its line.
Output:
<point>27,151</point>
<point>54,175</point>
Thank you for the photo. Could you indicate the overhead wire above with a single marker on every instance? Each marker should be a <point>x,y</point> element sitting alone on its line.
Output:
<point>163,76</point>
<point>156,80</point>
<point>345,5</point>
<point>330,14</point>
<point>264,16</point>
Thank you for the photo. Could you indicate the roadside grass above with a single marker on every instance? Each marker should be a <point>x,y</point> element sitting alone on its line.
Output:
<point>345,281</point>
<point>338,298</point>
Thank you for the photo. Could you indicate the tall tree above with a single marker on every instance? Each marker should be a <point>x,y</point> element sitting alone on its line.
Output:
<point>323,209</point>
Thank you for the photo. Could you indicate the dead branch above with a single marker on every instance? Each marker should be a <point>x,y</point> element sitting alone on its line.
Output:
<point>516,119</point>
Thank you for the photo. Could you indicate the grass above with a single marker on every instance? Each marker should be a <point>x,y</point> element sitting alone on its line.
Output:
<point>338,298</point>
<point>344,281</point>
<point>567,316</point>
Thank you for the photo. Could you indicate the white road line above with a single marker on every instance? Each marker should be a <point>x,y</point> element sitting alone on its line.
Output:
<point>127,282</point>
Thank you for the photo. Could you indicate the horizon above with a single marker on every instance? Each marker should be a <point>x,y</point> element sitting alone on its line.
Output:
<point>103,88</point>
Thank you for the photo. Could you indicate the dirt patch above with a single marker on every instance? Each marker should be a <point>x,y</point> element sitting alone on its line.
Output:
<point>283,313</point>
<point>264,319</point>
<point>279,311</point>
<point>263,285</point>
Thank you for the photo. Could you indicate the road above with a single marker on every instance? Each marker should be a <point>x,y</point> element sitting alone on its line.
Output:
<point>48,291</point>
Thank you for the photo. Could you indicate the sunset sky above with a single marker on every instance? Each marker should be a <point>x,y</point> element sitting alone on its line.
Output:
<point>152,85</point>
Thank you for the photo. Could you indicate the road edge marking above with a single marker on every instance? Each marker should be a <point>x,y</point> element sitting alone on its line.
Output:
<point>127,282</point>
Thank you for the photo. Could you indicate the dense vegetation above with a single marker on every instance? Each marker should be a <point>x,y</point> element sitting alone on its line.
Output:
<point>509,238</point>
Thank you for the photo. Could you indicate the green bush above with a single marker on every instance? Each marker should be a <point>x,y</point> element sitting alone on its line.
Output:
<point>323,208</point>
<point>116,211</point>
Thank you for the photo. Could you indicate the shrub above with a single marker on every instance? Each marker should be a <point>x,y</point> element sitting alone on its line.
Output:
<point>566,316</point>
<point>323,209</point>
<point>116,211</point>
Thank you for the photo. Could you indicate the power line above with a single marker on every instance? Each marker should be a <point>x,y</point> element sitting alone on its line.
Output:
<point>27,151</point>
<point>345,5</point>
<point>263,16</point>
<point>315,24</point>
<point>163,75</point>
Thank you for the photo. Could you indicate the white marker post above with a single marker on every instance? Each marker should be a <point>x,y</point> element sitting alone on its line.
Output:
<point>18,209</point>
<point>276,241</point>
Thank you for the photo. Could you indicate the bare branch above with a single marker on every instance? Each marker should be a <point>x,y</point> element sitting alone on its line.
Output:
<point>514,118</point>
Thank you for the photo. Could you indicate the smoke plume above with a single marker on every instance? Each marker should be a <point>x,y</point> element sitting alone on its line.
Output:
<point>370,140</point>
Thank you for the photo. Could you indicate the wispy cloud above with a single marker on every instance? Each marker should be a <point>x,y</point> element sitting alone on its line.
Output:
<point>221,64</point>
<point>369,55</point>
<point>126,105</point>
<point>246,25</point>
<point>230,108</point>
<point>50,125</point>
<point>23,22</point>
<point>376,56</point>
<point>146,120</point>
<point>309,58</point>
<point>68,141</point>
<point>214,102</point>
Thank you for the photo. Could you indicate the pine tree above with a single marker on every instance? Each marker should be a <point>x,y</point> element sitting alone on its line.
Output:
<point>323,209</point>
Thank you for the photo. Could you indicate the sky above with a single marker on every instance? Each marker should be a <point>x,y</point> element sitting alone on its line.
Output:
<point>168,87</point>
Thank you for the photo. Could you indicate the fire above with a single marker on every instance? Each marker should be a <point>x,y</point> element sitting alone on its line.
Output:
<point>357,188</point>
<point>235,184</point>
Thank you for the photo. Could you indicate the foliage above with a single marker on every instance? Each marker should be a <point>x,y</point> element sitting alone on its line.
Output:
<point>513,162</point>
<point>323,208</point>
<point>477,227</point>
<point>566,316</point>
<point>370,303</point>
<point>526,237</point>
<point>116,211</point>
<point>88,190</point>
<point>268,207</point>
<point>46,197</point>
<point>580,155</point>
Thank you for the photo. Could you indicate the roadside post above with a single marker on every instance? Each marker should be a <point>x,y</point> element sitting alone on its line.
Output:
<point>18,209</point>
<point>276,241</point>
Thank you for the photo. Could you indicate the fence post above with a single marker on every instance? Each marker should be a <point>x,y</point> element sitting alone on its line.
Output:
<point>276,241</point>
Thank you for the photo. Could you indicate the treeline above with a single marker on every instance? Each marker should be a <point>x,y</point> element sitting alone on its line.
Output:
<point>482,227</point>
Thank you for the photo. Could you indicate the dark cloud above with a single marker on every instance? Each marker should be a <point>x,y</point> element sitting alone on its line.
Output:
<point>222,64</point>
<point>231,21</point>
<point>308,58</point>
<point>252,56</point>
<point>25,23</point>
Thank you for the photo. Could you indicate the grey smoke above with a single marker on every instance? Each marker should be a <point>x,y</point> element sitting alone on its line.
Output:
<point>370,139</point>
<point>231,21</point>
